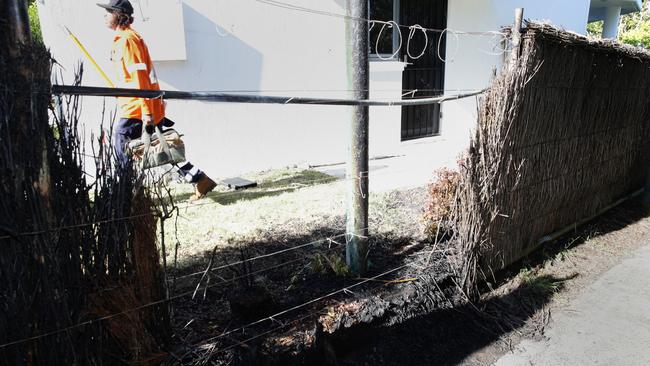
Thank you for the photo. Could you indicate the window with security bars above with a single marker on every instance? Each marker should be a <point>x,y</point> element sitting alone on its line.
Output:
<point>384,39</point>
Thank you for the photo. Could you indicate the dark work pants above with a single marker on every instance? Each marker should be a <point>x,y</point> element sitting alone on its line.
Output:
<point>127,129</point>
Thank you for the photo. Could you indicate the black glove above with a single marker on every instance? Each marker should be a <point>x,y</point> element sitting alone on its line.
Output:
<point>150,129</point>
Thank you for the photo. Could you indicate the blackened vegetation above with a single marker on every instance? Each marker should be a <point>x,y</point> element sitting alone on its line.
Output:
<point>562,133</point>
<point>71,251</point>
<point>209,329</point>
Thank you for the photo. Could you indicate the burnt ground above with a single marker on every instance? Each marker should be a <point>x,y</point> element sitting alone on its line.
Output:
<point>311,280</point>
<point>414,315</point>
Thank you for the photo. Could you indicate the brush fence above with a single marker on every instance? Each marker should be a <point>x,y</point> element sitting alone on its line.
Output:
<point>562,133</point>
<point>72,251</point>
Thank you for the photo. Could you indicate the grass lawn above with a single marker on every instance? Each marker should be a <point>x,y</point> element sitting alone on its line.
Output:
<point>271,224</point>
<point>287,203</point>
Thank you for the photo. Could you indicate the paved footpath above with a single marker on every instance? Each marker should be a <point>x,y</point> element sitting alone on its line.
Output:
<point>608,324</point>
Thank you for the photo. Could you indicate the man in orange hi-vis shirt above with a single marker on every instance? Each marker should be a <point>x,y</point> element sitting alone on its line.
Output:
<point>135,70</point>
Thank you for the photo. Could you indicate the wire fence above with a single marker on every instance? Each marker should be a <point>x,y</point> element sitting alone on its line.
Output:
<point>274,261</point>
<point>301,252</point>
<point>206,280</point>
<point>345,289</point>
<point>307,182</point>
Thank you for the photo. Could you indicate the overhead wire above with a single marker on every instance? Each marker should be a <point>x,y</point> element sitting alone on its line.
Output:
<point>412,31</point>
<point>455,53</point>
<point>344,16</point>
<point>390,24</point>
<point>405,91</point>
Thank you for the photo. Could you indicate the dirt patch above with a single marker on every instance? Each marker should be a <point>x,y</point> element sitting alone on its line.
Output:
<point>309,279</point>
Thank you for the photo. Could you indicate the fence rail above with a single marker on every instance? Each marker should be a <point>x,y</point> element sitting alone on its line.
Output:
<point>255,99</point>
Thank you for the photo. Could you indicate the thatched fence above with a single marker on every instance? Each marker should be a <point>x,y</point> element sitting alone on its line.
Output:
<point>562,133</point>
<point>78,259</point>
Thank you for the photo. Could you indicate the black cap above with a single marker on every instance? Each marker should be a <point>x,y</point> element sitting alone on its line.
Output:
<point>123,6</point>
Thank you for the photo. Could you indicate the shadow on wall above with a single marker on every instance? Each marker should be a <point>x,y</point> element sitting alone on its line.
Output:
<point>216,59</point>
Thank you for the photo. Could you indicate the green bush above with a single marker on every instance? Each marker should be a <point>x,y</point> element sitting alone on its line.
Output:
<point>34,22</point>
<point>634,29</point>
<point>639,36</point>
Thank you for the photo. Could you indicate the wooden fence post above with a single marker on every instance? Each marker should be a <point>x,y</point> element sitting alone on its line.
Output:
<point>516,33</point>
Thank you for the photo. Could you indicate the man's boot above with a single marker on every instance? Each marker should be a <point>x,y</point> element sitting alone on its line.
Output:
<point>202,187</point>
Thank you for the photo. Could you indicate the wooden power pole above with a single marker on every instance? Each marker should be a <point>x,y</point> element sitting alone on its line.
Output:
<point>357,166</point>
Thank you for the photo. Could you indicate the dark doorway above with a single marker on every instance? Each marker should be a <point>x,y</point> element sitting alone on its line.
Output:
<point>426,74</point>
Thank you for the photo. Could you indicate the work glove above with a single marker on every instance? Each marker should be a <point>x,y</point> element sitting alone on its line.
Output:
<point>150,129</point>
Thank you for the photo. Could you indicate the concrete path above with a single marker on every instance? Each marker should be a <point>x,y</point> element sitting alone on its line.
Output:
<point>413,166</point>
<point>609,324</point>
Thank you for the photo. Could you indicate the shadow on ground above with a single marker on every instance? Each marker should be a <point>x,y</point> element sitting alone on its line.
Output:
<point>265,188</point>
<point>294,277</point>
<point>448,336</point>
<point>241,283</point>
<point>616,219</point>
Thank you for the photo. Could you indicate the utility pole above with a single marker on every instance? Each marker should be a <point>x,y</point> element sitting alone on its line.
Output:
<point>516,33</point>
<point>357,166</point>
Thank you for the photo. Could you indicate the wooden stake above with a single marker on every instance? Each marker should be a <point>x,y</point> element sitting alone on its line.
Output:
<point>516,33</point>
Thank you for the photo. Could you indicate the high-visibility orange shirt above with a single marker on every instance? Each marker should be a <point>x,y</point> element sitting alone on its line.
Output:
<point>135,70</point>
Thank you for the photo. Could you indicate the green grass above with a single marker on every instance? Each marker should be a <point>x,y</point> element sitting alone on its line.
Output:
<point>290,201</point>
<point>287,204</point>
<point>543,285</point>
<point>270,184</point>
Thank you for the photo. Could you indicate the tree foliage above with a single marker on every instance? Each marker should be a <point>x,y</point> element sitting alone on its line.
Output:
<point>595,29</point>
<point>34,22</point>
<point>634,29</point>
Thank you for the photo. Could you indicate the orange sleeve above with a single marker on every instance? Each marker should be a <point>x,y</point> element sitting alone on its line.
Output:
<point>135,62</point>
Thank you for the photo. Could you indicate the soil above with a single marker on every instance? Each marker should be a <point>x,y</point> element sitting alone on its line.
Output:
<point>310,280</point>
<point>414,315</point>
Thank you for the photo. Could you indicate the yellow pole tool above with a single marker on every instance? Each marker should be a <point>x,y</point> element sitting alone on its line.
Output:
<point>92,60</point>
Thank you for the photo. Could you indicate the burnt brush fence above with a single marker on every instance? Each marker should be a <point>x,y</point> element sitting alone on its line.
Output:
<point>52,282</point>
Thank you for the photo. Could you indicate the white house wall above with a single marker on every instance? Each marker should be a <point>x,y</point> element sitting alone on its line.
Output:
<point>249,47</point>
<point>472,58</point>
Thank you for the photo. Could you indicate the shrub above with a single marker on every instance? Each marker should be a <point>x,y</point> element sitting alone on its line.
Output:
<point>441,192</point>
